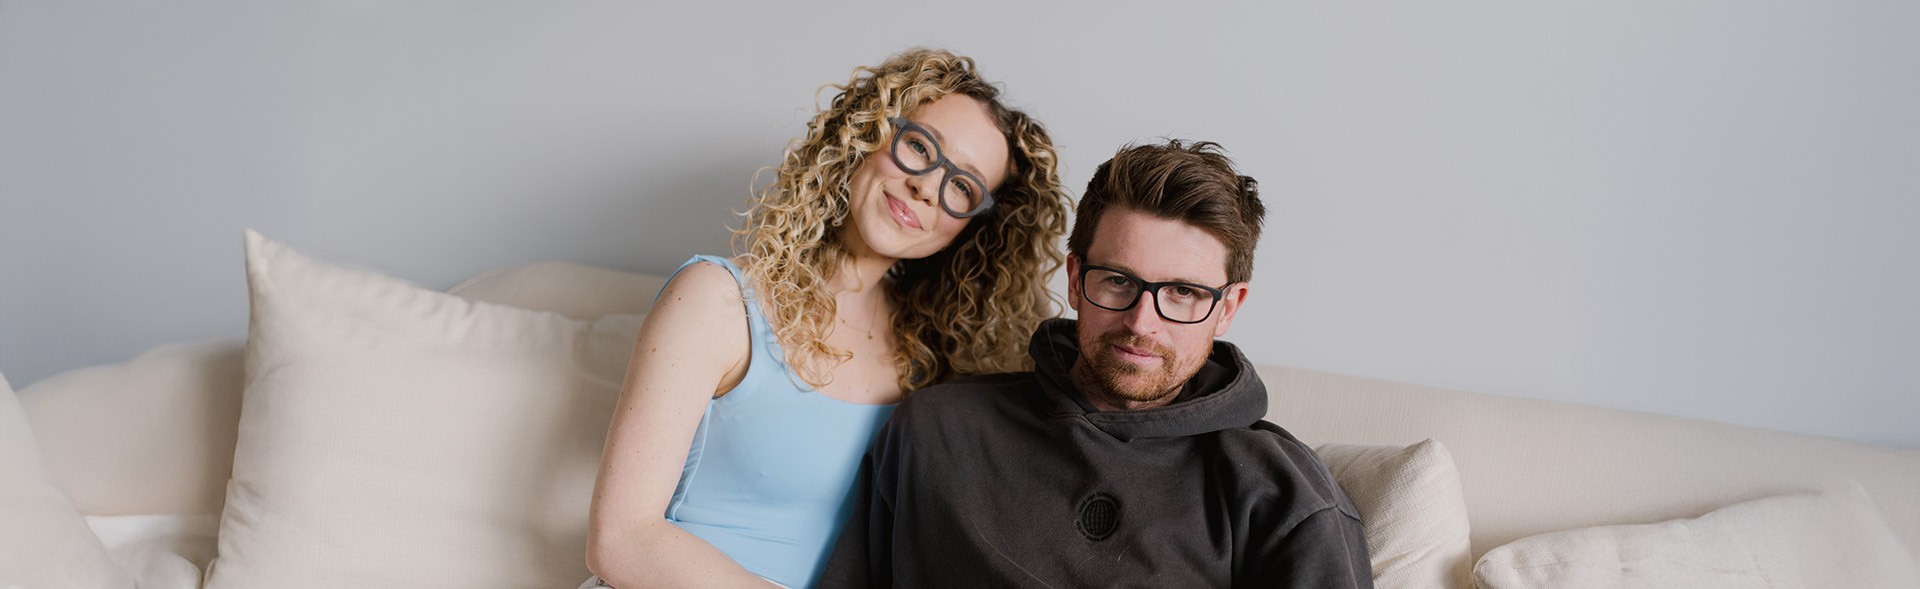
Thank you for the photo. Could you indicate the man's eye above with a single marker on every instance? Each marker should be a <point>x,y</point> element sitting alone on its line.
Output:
<point>1117,281</point>
<point>1184,291</point>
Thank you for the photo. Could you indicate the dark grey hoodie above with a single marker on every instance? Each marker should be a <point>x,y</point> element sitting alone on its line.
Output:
<point>1015,480</point>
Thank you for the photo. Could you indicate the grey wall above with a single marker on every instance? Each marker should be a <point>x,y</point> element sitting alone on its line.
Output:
<point>1704,209</point>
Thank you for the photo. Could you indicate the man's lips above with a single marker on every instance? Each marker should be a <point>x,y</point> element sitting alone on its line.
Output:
<point>1133,354</point>
<point>901,214</point>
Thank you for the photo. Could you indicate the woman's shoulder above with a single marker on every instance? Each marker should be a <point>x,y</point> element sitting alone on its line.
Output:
<point>705,282</point>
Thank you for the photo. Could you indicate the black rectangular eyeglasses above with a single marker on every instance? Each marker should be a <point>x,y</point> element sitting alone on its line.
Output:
<point>1179,302</point>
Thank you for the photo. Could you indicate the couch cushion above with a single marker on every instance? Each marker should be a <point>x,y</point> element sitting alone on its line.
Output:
<point>393,436</point>
<point>1411,510</point>
<point>1810,540</point>
<point>43,541</point>
<point>148,437</point>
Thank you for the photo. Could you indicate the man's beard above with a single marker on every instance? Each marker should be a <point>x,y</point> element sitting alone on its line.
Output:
<point>1132,382</point>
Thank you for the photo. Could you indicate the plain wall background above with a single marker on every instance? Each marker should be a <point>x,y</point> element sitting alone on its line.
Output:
<point>1704,209</point>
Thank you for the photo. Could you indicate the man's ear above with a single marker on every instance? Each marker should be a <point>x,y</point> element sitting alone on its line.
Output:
<point>1229,306</point>
<point>1073,282</point>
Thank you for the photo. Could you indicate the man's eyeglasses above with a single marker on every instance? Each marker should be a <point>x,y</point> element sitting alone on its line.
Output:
<point>1179,302</point>
<point>962,194</point>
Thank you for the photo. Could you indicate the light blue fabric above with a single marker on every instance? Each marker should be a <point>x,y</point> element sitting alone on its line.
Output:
<point>770,475</point>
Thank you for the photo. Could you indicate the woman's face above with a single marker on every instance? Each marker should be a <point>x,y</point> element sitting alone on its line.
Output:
<point>897,214</point>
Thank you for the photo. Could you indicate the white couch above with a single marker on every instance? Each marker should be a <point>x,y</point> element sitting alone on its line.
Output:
<point>145,450</point>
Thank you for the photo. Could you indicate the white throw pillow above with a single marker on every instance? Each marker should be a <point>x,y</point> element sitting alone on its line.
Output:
<point>393,436</point>
<point>44,544</point>
<point>1411,510</point>
<point>1812,540</point>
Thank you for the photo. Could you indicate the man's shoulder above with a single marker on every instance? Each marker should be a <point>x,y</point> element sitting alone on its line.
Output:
<point>1287,464</point>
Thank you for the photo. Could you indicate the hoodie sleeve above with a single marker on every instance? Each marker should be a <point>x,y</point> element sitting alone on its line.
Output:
<point>863,555</point>
<point>1326,549</point>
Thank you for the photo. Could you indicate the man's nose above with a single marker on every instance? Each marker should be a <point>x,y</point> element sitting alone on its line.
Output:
<point>1144,317</point>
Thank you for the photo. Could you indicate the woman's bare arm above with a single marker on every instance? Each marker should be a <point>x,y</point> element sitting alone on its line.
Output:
<point>693,346</point>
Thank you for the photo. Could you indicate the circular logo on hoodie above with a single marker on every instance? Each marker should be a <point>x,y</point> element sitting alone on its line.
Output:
<point>1099,517</point>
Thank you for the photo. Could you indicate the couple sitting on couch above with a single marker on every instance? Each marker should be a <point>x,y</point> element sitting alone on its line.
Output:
<point>905,246</point>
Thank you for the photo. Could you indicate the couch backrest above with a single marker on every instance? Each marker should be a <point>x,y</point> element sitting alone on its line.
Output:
<point>574,290</point>
<point>1529,466</point>
<point>150,436</point>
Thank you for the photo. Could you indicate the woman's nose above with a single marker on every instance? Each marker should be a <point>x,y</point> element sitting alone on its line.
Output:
<point>926,187</point>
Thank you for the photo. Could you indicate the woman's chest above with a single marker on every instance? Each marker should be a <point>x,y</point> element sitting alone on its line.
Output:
<point>869,377</point>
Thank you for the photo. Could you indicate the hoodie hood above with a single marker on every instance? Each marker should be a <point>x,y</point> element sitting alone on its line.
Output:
<point>1224,394</point>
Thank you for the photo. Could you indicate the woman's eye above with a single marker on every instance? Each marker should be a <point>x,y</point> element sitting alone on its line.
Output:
<point>917,146</point>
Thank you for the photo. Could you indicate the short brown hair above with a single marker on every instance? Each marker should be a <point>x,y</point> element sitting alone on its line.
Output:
<point>1180,181</point>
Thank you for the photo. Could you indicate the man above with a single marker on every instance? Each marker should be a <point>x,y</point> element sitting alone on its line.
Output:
<point>1134,454</point>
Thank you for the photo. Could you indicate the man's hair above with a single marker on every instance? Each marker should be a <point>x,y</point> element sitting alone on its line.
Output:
<point>1190,182</point>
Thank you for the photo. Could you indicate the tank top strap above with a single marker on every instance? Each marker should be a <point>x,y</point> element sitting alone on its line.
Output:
<point>752,300</point>
<point>768,361</point>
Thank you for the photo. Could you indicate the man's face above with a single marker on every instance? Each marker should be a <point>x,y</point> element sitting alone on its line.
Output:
<point>1137,359</point>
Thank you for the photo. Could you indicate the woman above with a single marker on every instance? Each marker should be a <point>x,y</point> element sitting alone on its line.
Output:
<point>906,240</point>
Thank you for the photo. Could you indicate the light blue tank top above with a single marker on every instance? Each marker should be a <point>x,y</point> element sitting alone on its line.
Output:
<point>769,479</point>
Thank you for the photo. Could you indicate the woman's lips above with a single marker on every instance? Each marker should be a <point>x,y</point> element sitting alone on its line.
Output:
<point>901,214</point>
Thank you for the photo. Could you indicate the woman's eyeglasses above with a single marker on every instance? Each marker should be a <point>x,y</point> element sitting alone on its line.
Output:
<point>962,194</point>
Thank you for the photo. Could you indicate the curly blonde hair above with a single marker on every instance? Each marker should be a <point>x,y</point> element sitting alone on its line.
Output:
<point>968,309</point>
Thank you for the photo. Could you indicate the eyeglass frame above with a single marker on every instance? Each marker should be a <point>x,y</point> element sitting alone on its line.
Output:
<point>901,126</point>
<point>1153,287</point>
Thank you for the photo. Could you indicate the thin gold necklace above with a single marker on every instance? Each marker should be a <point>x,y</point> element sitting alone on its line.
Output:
<point>874,319</point>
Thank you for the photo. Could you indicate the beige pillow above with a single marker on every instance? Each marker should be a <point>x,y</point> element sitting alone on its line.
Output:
<point>392,436</point>
<point>44,544</point>
<point>153,436</point>
<point>1834,538</point>
<point>1411,510</point>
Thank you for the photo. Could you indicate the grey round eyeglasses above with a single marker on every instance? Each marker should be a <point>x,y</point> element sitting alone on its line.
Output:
<point>962,194</point>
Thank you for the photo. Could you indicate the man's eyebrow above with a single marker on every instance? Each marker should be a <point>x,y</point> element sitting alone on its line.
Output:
<point>942,139</point>
<point>1136,273</point>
